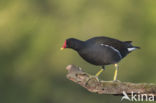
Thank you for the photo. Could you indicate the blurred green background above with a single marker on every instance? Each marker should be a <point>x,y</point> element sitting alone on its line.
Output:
<point>32,67</point>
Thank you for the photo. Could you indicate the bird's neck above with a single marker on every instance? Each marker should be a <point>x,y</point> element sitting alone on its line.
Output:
<point>77,44</point>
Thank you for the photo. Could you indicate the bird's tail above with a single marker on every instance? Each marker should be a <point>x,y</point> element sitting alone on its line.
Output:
<point>133,48</point>
<point>137,47</point>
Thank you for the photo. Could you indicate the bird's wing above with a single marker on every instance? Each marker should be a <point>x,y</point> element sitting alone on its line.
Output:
<point>119,45</point>
<point>112,49</point>
<point>108,41</point>
<point>116,44</point>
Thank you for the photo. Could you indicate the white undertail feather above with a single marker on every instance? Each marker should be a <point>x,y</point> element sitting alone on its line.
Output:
<point>131,49</point>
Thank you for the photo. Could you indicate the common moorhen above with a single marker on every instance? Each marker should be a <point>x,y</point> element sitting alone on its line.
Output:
<point>101,51</point>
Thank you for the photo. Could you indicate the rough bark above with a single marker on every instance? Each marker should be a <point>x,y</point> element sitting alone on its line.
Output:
<point>92,84</point>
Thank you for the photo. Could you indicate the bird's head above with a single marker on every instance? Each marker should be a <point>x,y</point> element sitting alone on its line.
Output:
<point>72,43</point>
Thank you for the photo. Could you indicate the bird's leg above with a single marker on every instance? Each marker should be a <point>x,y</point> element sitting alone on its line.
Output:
<point>99,72</point>
<point>116,72</point>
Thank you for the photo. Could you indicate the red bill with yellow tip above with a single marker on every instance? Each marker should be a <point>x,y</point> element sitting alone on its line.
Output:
<point>64,45</point>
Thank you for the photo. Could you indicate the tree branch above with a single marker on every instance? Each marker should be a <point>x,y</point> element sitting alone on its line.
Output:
<point>92,84</point>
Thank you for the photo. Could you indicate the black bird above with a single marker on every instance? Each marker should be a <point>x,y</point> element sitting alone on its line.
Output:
<point>101,51</point>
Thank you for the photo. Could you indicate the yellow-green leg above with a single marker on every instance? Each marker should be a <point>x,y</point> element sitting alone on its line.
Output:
<point>116,72</point>
<point>96,75</point>
<point>99,72</point>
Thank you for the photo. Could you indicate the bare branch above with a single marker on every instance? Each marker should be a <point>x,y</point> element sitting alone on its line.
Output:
<point>92,84</point>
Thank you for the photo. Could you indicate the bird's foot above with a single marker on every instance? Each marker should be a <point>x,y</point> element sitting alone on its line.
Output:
<point>92,82</point>
<point>93,78</point>
<point>116,81</point>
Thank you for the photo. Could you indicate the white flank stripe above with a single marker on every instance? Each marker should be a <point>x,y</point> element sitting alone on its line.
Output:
<point>131,49</point>
<point>113,49</point>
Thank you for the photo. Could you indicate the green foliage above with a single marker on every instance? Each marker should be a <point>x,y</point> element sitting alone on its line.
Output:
<point>32,68</point>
